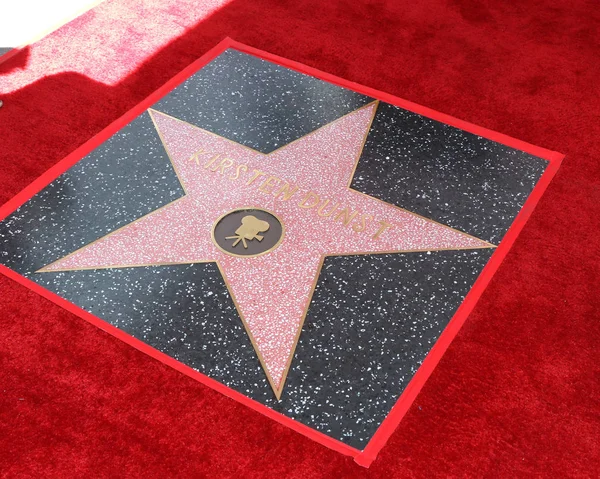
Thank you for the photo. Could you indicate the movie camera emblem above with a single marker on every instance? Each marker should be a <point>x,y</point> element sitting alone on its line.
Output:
<point>248,232</point>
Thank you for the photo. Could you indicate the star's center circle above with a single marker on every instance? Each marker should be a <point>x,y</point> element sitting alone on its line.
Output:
<point>248,232</point>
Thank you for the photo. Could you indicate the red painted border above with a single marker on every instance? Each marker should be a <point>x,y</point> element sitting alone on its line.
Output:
<point>369,453</point>
<point>9,54</point>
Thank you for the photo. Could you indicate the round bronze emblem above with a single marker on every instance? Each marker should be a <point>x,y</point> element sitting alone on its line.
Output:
<point>247,232</point>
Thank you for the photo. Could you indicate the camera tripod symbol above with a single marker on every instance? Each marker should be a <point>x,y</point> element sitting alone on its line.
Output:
<point>249,230</point>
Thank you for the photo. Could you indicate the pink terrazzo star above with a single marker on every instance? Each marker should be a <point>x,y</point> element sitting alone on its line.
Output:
<point>272,292</point>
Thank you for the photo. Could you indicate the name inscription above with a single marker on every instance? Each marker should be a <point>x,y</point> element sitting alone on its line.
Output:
<point>283,190</point>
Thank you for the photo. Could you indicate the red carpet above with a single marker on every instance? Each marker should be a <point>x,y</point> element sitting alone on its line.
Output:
<point>517,393</point>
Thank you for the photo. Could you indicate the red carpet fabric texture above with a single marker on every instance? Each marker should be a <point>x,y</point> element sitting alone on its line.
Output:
<point>517,394</point>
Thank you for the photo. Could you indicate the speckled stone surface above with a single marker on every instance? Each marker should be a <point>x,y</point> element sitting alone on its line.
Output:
<point>372,319</point>
<point>257,103</point>
<point>446,174</point>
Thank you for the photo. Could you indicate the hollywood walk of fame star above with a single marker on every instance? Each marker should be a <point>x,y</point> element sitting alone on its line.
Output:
<point>271,291</point>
